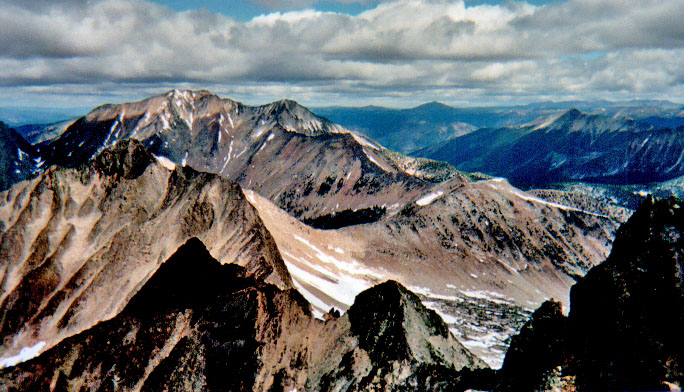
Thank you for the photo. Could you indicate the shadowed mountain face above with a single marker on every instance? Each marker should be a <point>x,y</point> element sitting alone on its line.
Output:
<point>572,146</point>
<point>304,163</point>
<point>624,330</point>
<point>18,159</point>
<point>630,308</point>
<point>76,244</point>
<point>200,325</point>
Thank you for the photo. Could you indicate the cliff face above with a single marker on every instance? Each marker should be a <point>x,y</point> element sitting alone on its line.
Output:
<point>76,244</point>
<point>630,309</point>
<point>200,325</point>
<point>624,330</point>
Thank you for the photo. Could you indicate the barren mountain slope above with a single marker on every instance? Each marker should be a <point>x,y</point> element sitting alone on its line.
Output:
<point>482,254</point>
<point>76,244</point>
<point>199,325</point>
<point>302,162</point>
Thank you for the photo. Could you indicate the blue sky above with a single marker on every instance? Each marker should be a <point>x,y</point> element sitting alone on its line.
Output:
<point>399,53</point>
<point>245,10</point>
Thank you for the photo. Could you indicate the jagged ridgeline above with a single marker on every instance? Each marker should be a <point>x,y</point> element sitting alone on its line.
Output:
<point>78,243</point>
<point>199,325</point>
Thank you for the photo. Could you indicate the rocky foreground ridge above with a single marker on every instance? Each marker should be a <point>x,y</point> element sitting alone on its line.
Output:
<point>624,330</point>
<point>76,244</point>
<point>200,325</point>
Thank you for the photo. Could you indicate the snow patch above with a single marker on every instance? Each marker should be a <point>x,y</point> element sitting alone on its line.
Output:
<point>378,164</point>
<point>429,198</point>
<point>363,141</point>
<point>185,159</point>
<point>491,296</point>
<point>25,354</point>
<point>166,162</point>
<point>343,288</point>
<point>494,184</point>
<point>555,205</point>
<point>353,267</point>
<point>227,158</point>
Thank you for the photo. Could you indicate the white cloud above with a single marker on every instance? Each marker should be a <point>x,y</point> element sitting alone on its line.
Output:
<point>399,51</point>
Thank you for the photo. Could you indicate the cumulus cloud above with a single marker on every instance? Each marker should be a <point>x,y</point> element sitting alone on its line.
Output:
<point>398,51</point>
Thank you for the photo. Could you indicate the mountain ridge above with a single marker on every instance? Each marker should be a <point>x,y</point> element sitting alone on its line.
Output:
<point>568,147</point>
<point>234,332</point>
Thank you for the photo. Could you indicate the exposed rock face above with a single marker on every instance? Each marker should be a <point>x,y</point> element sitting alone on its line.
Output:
<point>76,244</point>
<point>18,159</point>
<point>200,325</point>
<point>304,163</point>
<point>540,347</point>
<point>624,330</point>
<point>627,314</point>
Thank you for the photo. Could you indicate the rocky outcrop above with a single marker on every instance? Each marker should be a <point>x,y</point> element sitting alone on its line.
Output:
<point>623,332</point>
<point>539,349</point>
<point>76,244</point>
<point>627,314</point>
<point>200,325</point>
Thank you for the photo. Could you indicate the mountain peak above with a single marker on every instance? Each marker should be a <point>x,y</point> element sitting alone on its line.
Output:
<point>392,322</point>
<point>127,159</point>
<point>188,95</point>
<point>571,113</point>
<point>433,105</point>
<point>190,277</point>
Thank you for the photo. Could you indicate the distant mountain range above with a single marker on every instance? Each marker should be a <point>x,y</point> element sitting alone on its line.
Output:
<point>569,146</point>
<point>430,124</point>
